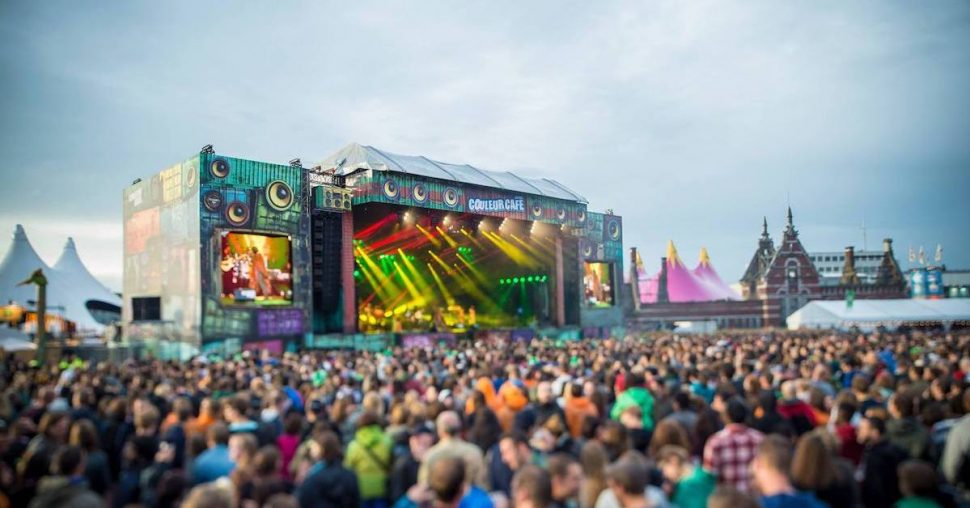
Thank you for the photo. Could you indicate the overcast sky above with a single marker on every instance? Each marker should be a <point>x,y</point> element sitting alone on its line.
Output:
<point>690,119</point>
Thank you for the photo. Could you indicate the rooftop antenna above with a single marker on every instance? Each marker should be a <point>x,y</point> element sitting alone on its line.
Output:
<point>865,236</point>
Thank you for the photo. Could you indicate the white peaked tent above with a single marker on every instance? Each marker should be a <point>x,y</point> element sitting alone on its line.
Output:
<point>70,286</point>
<point>74,287</point>
<point>870,314</point>
<point>20,261</point>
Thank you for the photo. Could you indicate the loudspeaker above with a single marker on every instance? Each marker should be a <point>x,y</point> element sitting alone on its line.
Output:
<point>326,244</point>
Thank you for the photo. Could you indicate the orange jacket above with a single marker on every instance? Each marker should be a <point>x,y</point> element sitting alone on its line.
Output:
<point>577,409</point>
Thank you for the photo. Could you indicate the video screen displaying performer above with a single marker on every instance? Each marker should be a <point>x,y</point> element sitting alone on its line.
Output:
<point>598,284</point>
<point>256,270</point>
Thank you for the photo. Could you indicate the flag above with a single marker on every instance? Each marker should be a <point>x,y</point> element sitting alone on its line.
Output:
<point>939,253</point>
<point>849,298</point>
<point>912,254</point>
<point>922,255</point>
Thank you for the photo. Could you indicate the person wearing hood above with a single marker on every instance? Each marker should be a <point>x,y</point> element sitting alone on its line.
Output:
<point>369,457</point>
<point>904,430</point>
<point>636,394</point>
<point>578,409</point>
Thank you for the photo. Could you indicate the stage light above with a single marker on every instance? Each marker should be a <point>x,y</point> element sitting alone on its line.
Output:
<point>208,149</point>
<point>515,280</point>
<point>529,278</point>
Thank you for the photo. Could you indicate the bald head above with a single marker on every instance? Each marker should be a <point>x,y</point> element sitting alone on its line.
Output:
<point>448,425</point>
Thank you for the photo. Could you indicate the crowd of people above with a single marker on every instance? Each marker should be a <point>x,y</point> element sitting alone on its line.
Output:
<point>735,420</point>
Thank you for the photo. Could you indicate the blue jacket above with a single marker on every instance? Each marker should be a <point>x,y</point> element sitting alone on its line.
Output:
<point>212,464</point>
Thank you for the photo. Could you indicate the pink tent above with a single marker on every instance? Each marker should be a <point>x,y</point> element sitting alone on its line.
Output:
<point>702,284</point>
<point>706,273</point>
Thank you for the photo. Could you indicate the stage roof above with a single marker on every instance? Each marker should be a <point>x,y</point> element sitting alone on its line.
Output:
<point>354,157</point>
<point>869,314</point>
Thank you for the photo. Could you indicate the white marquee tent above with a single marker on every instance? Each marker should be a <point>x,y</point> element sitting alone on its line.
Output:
<point>72,292</point>
<point>870,314</point>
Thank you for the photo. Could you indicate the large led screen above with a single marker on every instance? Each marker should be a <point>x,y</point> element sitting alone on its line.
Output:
<point>598,284</point>
<point>256,270</point>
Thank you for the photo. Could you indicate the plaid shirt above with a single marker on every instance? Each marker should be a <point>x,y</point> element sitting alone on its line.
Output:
<point>728,455</point>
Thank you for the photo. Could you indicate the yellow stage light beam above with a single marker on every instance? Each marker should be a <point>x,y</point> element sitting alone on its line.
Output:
<point>378,290</point>
<point>472,289</point>
<point>441,262</point>
<point>441,286</point>
<point>385,280</point>
<point>481,278</point>
<point>472,238</point>
<point>434,241</point>
<point>510,250</point>
<point>447,238</point>
<point>422,283</point>
<point>540,255</point>
<point>412,289</point>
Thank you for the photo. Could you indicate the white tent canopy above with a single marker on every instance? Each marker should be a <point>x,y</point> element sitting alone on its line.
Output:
<point>870,314</point>
<point>70,286</point>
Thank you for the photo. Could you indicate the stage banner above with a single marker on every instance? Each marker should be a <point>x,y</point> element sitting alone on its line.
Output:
<point>428,340</point>
<point>497,204</point>
<point>278,322</point>
<point>523,335</point>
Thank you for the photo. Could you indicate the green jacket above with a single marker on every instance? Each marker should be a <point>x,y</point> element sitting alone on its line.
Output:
<point>693,490</point>
<point>636,396</point>
<point>369,456</point>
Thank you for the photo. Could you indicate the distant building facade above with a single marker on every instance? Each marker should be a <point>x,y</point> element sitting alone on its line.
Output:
<point>782,278</point>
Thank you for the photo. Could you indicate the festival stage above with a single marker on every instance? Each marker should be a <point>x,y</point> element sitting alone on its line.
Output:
<point>228,254</point>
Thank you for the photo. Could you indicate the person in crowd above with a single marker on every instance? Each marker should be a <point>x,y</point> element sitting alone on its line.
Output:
<point>97,472</point>
<point>729,452</point>
<point>904,430</point>
<point>328,484</point>
<point>635,394</point>
<point>920,487</point>
<point>690,485</point>
<point>593,460</point>
<point>768,420</point>
<point>531,488</point>
<point>955,463</point>
<point>450,444</point>
<point>369,457</point>
<point>566,476</point>
<point>578,408</point>
<point>770,468</point>
<point>817,468</point>
<point>684,412</point>
<point>404,474</point>
<point>214,463</point>
<point>627,479</point>
<point>798,412</point>
<point>880,461</point>
<point>728,497</point>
